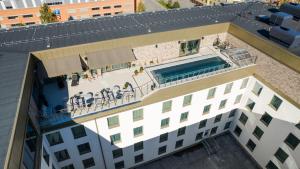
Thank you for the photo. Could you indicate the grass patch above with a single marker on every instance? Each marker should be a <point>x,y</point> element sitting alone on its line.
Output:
<point>169,4</point>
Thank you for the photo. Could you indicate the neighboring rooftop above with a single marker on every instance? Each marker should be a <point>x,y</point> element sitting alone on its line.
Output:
<point>56,35</point>
<point>12,68</point>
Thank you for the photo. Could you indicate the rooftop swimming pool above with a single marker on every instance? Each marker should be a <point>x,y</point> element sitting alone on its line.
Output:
<point>186,70</point>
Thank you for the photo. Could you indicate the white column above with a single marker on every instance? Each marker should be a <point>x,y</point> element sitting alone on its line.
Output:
<point>13,4</point>
<point>33,3</point>
<point>2,5</point>
<point>25,3</point>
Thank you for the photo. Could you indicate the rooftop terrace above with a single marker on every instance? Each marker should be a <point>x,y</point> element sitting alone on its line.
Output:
<point>109,90</point>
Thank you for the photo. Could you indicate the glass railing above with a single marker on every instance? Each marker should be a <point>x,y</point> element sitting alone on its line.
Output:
<point>138,93</point>
<point>189,76</point>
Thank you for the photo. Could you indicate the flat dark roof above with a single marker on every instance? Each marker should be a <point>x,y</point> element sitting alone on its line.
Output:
<point>76,32</point>
<point>12,71</point>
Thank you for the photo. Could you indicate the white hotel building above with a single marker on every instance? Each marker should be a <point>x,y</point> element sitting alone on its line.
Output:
<point>126,101</point>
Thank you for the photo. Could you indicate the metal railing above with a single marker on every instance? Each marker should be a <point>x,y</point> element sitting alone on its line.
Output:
<point>69,112</point>
<point>176,79</point>
<point>141,91</point>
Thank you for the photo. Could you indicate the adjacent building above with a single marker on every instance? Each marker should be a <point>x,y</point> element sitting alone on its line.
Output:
<point>119,92</point>
<point>26,12</point>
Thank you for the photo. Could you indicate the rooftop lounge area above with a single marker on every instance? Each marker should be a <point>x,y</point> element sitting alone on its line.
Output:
<point>95,90</point>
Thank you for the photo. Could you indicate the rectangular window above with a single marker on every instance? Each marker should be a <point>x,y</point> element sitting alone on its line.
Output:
<point>218,118</point>
<point>117,153</point>
<point>237,131</point>
<point>257,89</point>
<point>138,115</point>
<point>184,116</point>
<point>250,105</point>
<point>106,7</point>
<point>244,83</point>
<point>28,16</point>
<point>96,15</point>
<point>181,131</point>
<point>189,47</point>
<point>266,119</point>
<point>271,165</point>
<point>54,138</point>
<point>211,93</point>
<point>95,8</point>
<point>107,14</point>
<point>113,122</point>
<point>202,123</point>
<point>163,137</point>
<point>87,163</point>
<point>31,143</point>
<point>275,102</point>
<point>46,156</point>
<point>258,132</point>
<point>214,130</point>
<point>54,3</point>
<point>12,17</point>
<point>179,143</point>
<point>206,109</point>
<point>250,145</point>
<point>199,136</point>
<point>118,6</point>
<point>139,158</point>
<point>206,132</point>
<point>116,138</point>
<point>70,166</point>
<point>281,155</point>
<point>164,122</point>
<point>292,141</point>
<point>228,88</point>
<point>162,150</point>
<point>119,165</point>
<point>232,113</point>
<point>78,132</point>
<point>187,100</point>
<point>62,155</point>
<point>84,148</point>
<point>138,131</point>
<point>138,146</point>
<point>238,99</point>
<point>29,23</point>
<point>222,104</point>
<point>167,106</point>
<point>227,125</point>
<point>243,118</point>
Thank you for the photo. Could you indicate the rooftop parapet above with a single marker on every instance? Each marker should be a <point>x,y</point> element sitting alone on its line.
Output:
<point>122,87</point>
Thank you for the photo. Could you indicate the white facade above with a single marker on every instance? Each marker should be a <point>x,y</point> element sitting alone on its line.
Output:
<point>284,120</point>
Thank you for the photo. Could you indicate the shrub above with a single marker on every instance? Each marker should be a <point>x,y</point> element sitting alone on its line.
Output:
<point>136,72</point>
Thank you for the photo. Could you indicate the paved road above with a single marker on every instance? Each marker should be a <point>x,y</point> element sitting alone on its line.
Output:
<point>153,5</point>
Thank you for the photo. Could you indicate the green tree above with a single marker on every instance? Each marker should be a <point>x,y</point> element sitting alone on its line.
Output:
<point>176,5</point>
<point>141,7</point>
<point>169,4</point>
<point>46,14</point>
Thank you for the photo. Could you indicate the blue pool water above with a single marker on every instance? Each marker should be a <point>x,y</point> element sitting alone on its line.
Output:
<point>187,70</point>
